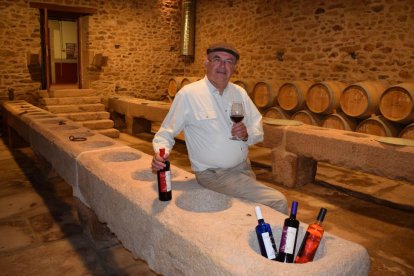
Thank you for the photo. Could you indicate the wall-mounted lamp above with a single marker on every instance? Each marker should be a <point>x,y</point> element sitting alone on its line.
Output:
<point>279,55</point>
<point>117,45</point>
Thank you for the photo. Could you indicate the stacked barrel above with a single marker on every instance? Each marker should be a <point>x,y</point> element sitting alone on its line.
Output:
<point>371,107</point>
<point>176,83</point>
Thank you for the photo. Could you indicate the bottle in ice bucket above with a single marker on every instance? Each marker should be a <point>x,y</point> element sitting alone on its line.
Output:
<point>311,240</point>
<point>265,237</point>
<point>289,235</point>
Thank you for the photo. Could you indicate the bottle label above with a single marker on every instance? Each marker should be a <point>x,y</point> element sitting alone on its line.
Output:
<point>290,236</point>
<point>270,252</point>
<point>165,181</point>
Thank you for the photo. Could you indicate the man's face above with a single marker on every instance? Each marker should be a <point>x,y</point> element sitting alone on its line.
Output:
<point>220,66</point>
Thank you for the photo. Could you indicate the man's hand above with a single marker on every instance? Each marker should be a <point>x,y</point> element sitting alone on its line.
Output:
<point>240,131</point>
<point>158,162</point>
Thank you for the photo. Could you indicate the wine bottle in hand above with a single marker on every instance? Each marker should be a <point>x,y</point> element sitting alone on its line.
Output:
<point>164,180</point>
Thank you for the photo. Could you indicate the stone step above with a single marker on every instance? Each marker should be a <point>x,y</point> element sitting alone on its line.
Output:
<point>98,124</point>
<point>61,93</point>
<point>43,93</point>
<point>110,132</point>
<point>75,108</point>
<point>70,100</point>
<point>85,116</point>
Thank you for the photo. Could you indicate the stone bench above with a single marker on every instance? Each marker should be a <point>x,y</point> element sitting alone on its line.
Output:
<point>297,149</point>
<point>198,232</point>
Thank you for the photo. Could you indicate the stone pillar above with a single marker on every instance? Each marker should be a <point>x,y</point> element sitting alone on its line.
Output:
<point>292,170</point>
<point>140,125</point>
<point>98,232</point>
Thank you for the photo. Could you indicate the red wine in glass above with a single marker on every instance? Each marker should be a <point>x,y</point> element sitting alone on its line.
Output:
<point>237,118</point>
<point>236,114</point>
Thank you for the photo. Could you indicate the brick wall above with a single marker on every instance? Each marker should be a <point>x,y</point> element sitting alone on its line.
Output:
<point>345,40</point>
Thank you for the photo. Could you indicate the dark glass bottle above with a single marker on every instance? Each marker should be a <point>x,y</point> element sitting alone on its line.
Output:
<point>289,236</point>
<point>164,180</point>
<point>311,240</point>
<point>265,237</point>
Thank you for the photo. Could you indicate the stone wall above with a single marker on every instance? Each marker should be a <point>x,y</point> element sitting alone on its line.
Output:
<point>345,40</point>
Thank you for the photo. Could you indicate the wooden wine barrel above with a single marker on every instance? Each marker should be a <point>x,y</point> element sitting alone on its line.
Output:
<point>276,112</point>
<point>407,132</point>
<point>247,84</point>
<point>176,83</point>
<point>264,94</point>
<point>339,121</point>
<point>323,97</point>
<point>292,95</point>
<point>307,117</point>
<point>378,125</point>
<point>397,103</point>
<point>361,99</point>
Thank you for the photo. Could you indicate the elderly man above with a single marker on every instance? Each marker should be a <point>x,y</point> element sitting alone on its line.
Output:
<point>202,110</point>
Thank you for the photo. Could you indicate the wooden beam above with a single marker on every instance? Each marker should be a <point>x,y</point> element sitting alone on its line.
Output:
<point>69,9</point>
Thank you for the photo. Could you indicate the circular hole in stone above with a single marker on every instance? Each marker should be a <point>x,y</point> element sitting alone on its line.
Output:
<point>277,233</point>
<point>120,156</point>
<point>357,135</point>
<point>148,175</point>
<point>97,144</point>
<point>203,200</point>
<point>64,127</point>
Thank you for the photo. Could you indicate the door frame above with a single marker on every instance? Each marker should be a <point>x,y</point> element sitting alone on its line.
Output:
<point>45,10</point>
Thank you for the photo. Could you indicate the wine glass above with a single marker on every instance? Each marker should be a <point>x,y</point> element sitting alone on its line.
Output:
<point>236,115</point>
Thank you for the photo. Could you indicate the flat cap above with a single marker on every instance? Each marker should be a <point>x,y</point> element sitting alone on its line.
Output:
<point>223,47</point>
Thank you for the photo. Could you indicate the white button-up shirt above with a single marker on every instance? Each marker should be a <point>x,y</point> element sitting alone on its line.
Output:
<point>204,115</point>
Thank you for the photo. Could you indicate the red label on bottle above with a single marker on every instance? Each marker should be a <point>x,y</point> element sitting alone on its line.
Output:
<point>165,181</point>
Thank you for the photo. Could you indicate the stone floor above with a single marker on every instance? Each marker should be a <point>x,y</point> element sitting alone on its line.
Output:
<point>40,232</point>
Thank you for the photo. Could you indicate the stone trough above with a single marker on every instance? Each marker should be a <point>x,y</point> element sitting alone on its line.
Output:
<point>296,148</point>
<point>198,232</point>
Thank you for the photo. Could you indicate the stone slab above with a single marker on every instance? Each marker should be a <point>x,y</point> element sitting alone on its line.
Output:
<point>189,235</point>
<point>98,124</point>
<point>75,108</point>
<point>60,93</point>
<point>186,236</point>
<point>70,100</point>
<point>343,148</point>
<point>85,116</point>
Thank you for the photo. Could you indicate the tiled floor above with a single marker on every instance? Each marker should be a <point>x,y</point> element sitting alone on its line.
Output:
<point>40,233</point>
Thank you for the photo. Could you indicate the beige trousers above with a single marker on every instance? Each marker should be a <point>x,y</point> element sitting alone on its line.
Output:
<point>240,182</point>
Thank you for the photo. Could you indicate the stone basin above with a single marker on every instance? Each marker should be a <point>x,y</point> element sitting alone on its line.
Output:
<point>97,144</point>
<point>203,201</point>
<point>122,156</point>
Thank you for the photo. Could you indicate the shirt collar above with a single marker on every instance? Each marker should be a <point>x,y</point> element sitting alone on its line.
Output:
<point>213,89</point>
